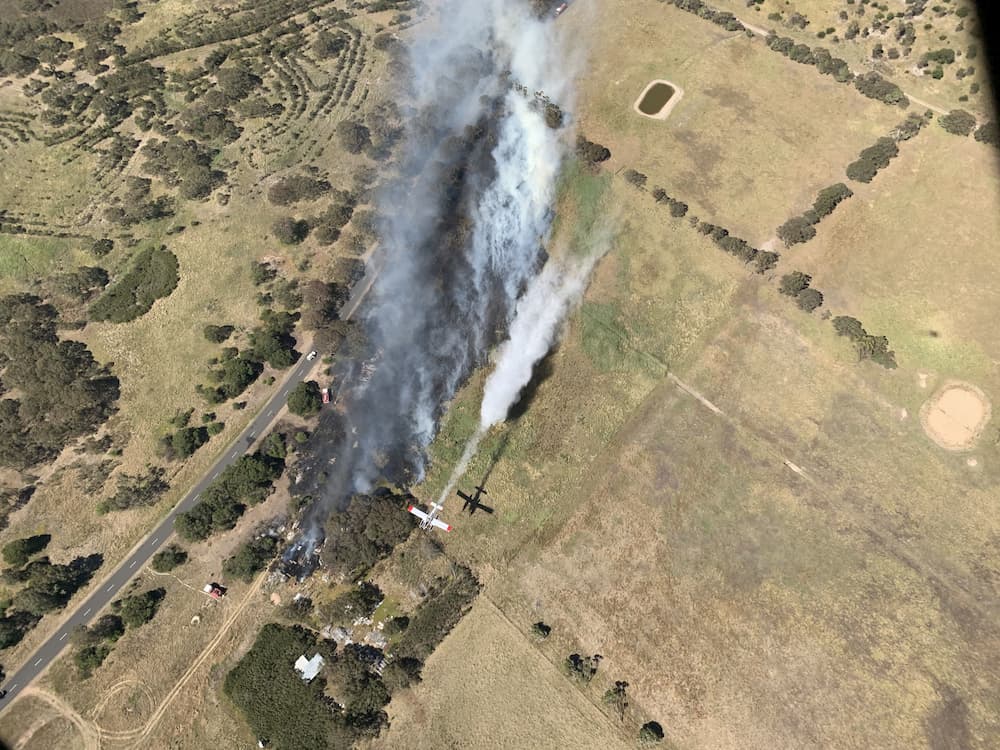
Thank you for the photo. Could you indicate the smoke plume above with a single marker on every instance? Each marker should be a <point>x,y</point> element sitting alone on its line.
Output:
<point>537,322</point>
<point>462,228</point>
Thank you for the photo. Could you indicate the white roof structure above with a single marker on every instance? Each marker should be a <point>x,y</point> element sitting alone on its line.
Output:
<point>308,668</point>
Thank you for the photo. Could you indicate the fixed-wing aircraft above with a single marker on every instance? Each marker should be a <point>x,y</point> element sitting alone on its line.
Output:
<point>429,519</point>
<point>472,504</point>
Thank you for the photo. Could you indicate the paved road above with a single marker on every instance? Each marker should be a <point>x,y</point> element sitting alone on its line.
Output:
<point>140,555</point>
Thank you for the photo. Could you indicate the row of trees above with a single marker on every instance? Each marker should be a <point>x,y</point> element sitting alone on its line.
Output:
<point>763,260</point>
<point>872,159</point>
<point>803,227</point>
<point>583,669</point>
<point>796,285</point>
<point>245,482</point>
<point>825,63</point>
<point>875,348</point>
<point>703,10</point>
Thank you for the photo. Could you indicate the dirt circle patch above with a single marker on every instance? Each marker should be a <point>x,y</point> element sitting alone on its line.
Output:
<point>955,416</point>
<point>125,708</point>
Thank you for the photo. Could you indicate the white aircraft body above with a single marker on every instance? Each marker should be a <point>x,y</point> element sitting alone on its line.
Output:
<point>429,519</point>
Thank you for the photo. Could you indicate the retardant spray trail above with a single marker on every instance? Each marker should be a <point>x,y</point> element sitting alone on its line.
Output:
<point>538,320</point>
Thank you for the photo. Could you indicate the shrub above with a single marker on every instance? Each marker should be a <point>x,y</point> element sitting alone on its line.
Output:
<point>137,490</point>
<point>102,247</point>
<point>289,231</point>
<point>875,348</point>
<point>18,552</point>
<point>582,668</point>
<point>958,122</point>
<point>590,152</point>
<point>989,133</point>
<point>872,159</point>
<point>251,557</point>
<point>942,56</point>
<point>108,628</point>
<point>795,230</point>
<point>793,283</point>
<point>809,299</point>
<point>295,188</point>
<point>261,273</point>
<point>184,442</point>
<point>765,261</point>
<point>651,733</point>
<point>153,275</point>
<point>909,127</point>
<point>305,399</point>
<point>353,136</point>
<point>169,558</point>
<point>636,178</point>
<point>541,630</point>
<point>89,658</point>
<point>829,198</point>
<point>217,334</point>
<point>138,609</point>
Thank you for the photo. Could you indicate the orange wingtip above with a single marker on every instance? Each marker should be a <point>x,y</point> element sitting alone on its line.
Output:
<point>409,508</point>
<point>447,528</point>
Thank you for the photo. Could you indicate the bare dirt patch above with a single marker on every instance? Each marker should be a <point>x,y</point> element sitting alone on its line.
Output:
<point>955,416</point>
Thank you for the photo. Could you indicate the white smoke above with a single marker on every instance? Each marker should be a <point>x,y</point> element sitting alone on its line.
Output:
<point>540,313</point>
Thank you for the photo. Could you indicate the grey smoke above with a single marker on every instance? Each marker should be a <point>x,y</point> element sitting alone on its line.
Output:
<point>462,233</point>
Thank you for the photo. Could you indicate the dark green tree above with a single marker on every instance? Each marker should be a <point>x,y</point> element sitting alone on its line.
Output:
<point>809,299</point>
<point>793,283</point>
<point>169,558</point>
<point>251,557</point>
<point>138,609</point>
<point>89,658</point>
<point>958,122</point>
<point>305,399</point>
<point>18,552</point>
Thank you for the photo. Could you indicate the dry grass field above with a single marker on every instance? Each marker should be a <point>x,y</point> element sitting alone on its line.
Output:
<point>753,134</point>
<point>451,710</point>
<point>926,278</point>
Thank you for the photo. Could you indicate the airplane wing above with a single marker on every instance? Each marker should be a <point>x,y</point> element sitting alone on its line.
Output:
<point>441,524</point>
<point>417,512</point>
